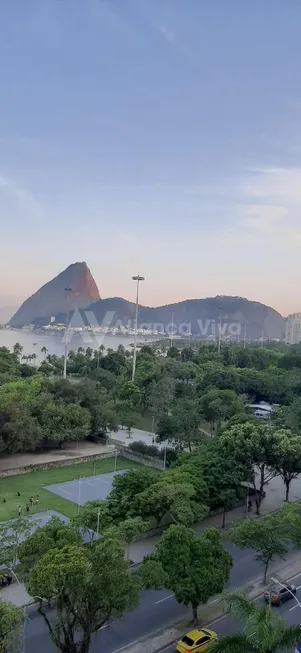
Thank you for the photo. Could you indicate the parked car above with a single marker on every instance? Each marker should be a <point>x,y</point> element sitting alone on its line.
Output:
<point>278,596</point>
<point>197,641</point>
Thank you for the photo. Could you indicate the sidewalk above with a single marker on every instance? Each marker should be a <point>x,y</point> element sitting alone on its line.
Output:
<point>275,495</point>
<point>16,594</point>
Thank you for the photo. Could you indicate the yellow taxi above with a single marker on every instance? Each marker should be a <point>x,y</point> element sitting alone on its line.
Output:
<point>197,641</point>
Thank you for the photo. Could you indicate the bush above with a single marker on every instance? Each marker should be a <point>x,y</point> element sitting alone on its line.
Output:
<point>151,451</point>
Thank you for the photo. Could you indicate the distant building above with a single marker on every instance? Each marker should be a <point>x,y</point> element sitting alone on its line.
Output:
<point>293,329</point>
<point>262,410</point>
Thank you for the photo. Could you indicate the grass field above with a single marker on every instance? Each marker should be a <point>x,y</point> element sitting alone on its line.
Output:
<point>31,484</point>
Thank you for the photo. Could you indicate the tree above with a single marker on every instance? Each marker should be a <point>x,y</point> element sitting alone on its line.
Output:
<point>126,487</point>
<point>61,422</point>
<point>17,349</point>
<point>94,517</point>
<point>176,499</point>
<point>182,427</point>
<point>287,457</point>
<point>253,445</point>
<point>219,405</point>
<point>11,619</point>
<point>263,631</point>
<point>222,378</point>
<point>193,568</point>
<point>127,530</point>
<point>223,474</point>
<point>162,394</point>
<point>55,535</point>
<point>44,350</point>
<point>268,536</point>
<point>92,586</point>
<point>147,373</point>
<point>293,415</point>
<point>11,536</point>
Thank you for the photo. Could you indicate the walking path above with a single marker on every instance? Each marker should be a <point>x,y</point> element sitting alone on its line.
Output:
<point>71,452</point>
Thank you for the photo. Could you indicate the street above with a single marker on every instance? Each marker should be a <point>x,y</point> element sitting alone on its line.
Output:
<point>225,625</point>
<point>156,610</point>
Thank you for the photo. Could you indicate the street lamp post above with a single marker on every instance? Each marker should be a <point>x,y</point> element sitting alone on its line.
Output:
<point>220,330</point>
<point>68,290</point>
<point>138,279</point>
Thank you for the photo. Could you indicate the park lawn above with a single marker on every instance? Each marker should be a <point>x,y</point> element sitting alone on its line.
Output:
<point>32,484</point>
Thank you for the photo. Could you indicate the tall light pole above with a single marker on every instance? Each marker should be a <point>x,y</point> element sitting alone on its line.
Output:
<point>138,279</point>
<point>220,330</point>
<point>67,290</point>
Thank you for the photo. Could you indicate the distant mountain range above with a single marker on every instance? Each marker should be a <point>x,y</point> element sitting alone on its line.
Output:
<point>238,317</point>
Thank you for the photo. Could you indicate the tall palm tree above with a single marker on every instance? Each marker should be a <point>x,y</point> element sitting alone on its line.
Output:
<point>264,631</point>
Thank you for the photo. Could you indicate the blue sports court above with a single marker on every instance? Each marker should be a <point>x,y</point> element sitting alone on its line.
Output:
<point>82,490</point>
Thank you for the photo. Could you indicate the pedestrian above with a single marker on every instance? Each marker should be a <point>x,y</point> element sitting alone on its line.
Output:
<point>19,494</point>
<point>31,501</point>
<point>153,440</point>
<point>27,508</point>
<point>19,511</point>
<point>249,505</point>
<point>37,499</point>
<point>4,500</point>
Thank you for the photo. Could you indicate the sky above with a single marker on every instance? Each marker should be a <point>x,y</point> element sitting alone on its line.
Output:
<point>153,136</point>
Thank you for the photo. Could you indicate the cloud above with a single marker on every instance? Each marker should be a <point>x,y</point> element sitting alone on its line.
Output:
<point>24,198</point>
<point>274,209</point>
<point>264,218</point>
<point>172,40</point>
<point>278,184</point>
<point>167,34</point>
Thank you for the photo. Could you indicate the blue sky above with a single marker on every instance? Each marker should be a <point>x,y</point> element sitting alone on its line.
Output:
<point>159,136</point>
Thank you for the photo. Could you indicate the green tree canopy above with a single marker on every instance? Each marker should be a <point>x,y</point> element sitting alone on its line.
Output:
<point>92,585</point>
<point>193,568</point>
<point>11,619</point>
<point>253,445</point>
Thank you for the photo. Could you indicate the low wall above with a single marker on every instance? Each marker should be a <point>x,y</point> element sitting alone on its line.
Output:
<point>134,456</point>
<point>55,463</point>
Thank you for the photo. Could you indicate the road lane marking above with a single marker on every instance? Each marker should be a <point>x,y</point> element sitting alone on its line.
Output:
<point>292,577</point>
<point>210,624</point>
<point>135,641</point>
<point>164,599</point>
<point>170,596</point>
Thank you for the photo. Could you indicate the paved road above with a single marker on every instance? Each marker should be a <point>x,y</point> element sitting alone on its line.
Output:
<point>156,610</point>
<point>225,625</point>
